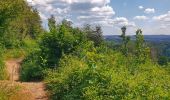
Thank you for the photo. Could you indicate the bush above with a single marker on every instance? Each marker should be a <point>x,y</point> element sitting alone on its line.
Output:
<point>31,68</point>
<point>29,46</point>
<point>107,76</point>
<point>54,44</point>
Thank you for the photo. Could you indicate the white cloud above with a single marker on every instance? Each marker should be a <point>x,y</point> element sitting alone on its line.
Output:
<point>140,18</point>
<point>158,25</point>
<point>122,21</point>
<point>105,10</point>
<point>140,7</point>
<point>149,10</point>
<point>100,12</point>
<point>83,10</point>
<point>98,2</point>
<point>163,18</point>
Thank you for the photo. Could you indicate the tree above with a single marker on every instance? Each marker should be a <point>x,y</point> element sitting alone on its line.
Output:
<point>52,24</point>
<point>139,42</point>
<point>163,60</point>
<point>67,23</point>
<point>94,34</point>
<point>18,21</point>
<point>60,40</point>
<point>99,36</point>
<point>141,49</point>
<point>125,41</point>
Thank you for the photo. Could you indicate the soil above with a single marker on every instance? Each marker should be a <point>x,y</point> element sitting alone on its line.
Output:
<point>37,89</point>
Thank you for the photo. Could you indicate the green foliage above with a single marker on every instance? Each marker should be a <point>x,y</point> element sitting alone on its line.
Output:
<point>55,43</point>
<point>107,75</point>
<point>2,70</point>
<point>3,74</point>
<point>17,21</point>
<point>60,40</point>
<point>142,52</point>
<point>13,53</point>
<point>163,60</point>
<point>77,64</point>
<point>52,24</point>
<point>125,41</point>
<point>31,68</point>
<point>94,34</point>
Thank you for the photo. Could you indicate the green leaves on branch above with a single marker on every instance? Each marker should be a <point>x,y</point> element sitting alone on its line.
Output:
<point>61,39</point>
<point>142,51</point>
<point>18,21</point>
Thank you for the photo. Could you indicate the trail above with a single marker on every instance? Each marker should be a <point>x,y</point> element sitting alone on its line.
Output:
<point>37,89</point>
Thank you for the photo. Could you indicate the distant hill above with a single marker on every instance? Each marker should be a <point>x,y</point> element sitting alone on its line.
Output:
<point>159,44</point>
<point>148,38</point>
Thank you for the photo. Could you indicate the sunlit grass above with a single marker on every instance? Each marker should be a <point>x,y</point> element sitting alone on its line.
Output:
<point>13,91</point>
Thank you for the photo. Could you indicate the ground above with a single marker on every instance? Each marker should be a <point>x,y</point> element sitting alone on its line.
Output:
<point>35,89</point>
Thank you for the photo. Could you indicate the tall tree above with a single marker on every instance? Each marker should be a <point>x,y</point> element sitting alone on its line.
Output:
<point>125,41</point>
<point>139,42</point>
<point>52,24</point>
<point>141,48</point>
<point>99,35</point>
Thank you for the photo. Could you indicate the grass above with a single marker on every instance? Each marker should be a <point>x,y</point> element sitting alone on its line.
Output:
<point>9,91</point>
<point>27,47</point>
<point>13,53</point>
<point>3,72</point>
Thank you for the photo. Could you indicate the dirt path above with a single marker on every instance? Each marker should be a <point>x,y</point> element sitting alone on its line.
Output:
<point>37,89</point>
<point>13,68</point>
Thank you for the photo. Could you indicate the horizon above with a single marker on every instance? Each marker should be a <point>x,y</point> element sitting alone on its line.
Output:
<point>153,17</point>
<point>144,35</point>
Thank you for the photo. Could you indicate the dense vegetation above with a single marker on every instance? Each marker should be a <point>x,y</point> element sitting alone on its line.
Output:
<point>77,63</point>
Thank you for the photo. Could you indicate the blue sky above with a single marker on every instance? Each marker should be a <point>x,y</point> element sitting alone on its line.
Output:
<point>152,16</point>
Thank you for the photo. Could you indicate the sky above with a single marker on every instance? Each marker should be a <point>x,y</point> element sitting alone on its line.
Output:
<point>152,16</point>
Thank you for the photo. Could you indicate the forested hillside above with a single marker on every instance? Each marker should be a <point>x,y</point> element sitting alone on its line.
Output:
<point>159,46</point>
<point>76,63</point>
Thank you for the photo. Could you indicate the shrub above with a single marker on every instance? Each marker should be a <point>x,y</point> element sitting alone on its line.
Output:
<point>54,44</point>
<point>107,76</point>
<point>31,68</point>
